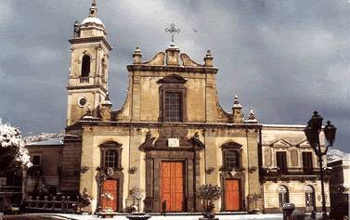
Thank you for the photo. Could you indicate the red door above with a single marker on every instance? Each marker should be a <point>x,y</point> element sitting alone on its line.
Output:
<point>232,195</point>
<point>109,196</point>
<point>172,185</point>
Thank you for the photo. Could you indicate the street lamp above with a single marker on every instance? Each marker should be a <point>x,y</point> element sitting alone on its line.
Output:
<point>312,132</point>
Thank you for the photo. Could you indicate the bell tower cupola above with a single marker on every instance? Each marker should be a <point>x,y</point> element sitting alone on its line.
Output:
<point>89,69</point>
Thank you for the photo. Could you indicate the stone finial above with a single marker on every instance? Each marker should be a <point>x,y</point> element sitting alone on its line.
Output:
<point>107,100</point>
<point>106,109</point>
<point>251,116</point>
<point>76,27</point>
<point>89,113</point>
<point>208,53</point>
<point>208,59</point>
<point>93,9</point>
<point>137,55</point>
<point>236,102</point>
<point>237,115</point>
<point>172,56</point>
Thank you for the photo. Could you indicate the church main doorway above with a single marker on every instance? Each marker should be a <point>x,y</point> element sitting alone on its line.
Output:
<point>172,186</point>
<point>109,196</point>
<point>232,195</point>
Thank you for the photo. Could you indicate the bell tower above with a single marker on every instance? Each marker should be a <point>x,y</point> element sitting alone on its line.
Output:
<point>88,77</point>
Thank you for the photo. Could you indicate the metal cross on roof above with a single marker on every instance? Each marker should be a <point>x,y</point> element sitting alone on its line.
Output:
<point>172,30</point>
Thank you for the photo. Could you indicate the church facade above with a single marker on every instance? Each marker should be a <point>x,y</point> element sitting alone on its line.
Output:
<point>171,136</point>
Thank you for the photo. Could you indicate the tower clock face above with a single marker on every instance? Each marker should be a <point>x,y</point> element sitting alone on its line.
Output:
<point>82,101</point>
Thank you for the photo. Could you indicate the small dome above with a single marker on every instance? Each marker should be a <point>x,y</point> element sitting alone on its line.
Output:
<point>92,20</point>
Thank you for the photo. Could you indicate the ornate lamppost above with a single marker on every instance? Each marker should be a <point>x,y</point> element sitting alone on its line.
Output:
<point>312,132</point>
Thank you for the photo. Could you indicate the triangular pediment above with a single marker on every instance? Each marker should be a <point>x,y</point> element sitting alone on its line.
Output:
<point>281,143</point>
<point>304,143</point>
<point>173,78</point>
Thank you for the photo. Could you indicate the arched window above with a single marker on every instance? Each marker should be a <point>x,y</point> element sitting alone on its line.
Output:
<point>85,66</point>
<point>111,159</point>
<point>283,195</point>
<point>232,159</point>
<point>103,67</point>
<point>309,196</point>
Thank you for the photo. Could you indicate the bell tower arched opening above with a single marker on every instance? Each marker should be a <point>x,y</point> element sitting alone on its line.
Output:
<point>85,66</point>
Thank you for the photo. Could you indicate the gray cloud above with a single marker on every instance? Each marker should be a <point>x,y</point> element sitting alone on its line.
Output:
<point>284,58</point>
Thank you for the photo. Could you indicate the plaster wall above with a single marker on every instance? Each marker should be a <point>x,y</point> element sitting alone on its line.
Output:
<point>296,193</point>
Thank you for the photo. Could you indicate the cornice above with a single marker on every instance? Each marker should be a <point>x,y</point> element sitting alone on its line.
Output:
<point>91,40</point>
<point>169,68</point>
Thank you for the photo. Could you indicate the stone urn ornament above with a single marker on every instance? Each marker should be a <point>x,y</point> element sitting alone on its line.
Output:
<point>138,195</point>
<point>208,193</point>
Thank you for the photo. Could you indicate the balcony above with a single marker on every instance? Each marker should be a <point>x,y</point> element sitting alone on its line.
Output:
<point>274,173</point>
<point>10,189</point>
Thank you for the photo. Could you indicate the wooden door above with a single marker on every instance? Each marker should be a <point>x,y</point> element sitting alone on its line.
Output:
<point>232,195</point>
<point>109,196</point>
<point>172,186</point>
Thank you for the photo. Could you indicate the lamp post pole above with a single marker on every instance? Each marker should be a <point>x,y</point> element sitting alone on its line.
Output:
<point>312,132</point>
<point>324,209</point>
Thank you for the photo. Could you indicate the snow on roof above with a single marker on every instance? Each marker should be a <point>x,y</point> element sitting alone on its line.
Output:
<point>92,20</point>
<point>283,126</point>
<point>51,141</point>
<point>335,154</point>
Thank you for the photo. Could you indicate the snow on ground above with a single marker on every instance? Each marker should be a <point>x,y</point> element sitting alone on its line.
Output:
<point>181,217</point>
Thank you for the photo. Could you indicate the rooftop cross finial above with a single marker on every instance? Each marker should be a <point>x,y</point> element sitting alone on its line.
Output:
<point>93,9</point>
<point>172,31</point>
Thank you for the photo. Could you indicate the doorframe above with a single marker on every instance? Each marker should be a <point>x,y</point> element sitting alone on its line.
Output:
<point>119,177</point>
<point>154,157</point>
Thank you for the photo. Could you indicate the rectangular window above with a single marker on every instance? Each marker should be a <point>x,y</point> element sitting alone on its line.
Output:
<point>307,162</point>
<point>111,159</point>
<point>231,159</point>
<point>282,161</point>
<point>173,107</point>
<point>36,160</point>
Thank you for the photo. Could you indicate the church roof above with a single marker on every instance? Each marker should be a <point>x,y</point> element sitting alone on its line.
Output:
<point>48,142</point>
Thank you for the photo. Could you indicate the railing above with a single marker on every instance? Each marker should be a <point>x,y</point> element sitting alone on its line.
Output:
<point>84,79</point>
<point>290,171</point>
<point>65,204</point>
<point>17,189</point>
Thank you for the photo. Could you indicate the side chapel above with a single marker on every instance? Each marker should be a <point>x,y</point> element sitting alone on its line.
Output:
<point>171,136</point>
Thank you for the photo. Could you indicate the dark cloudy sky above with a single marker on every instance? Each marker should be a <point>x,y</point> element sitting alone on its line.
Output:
<point>283,58</point>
